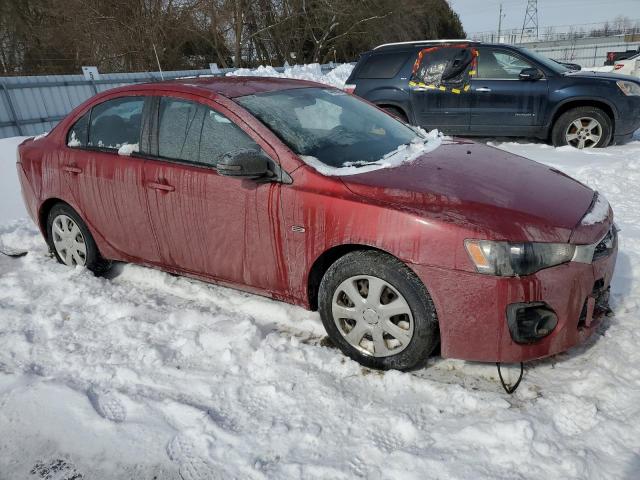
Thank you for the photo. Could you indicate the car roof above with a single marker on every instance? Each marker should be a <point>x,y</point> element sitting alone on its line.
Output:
<point>417,43</point>
<point>230,87</point>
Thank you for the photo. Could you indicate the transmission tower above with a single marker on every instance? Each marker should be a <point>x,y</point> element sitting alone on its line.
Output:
<point>530,25</point>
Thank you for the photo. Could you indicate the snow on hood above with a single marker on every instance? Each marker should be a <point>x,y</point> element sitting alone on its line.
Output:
<point>423,143</point>
<point>599,213</point>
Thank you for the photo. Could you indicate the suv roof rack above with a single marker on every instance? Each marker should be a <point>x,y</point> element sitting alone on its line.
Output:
<point>418,42</point>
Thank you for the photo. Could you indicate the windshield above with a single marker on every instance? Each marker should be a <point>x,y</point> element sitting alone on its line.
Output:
<point>547,62</point>
<point>336,128</point>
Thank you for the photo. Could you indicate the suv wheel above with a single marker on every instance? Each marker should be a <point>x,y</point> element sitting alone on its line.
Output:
<point>70,240</point>
<point>377,311</point>
<point>396,112</point>
<point>582,127</point>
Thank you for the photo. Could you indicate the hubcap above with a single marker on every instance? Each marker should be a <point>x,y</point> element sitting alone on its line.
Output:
<point>69,241</point>
<point>584,132</point>
<point>372,316</point>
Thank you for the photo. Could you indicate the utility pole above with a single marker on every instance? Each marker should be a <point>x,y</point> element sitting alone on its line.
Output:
<point>530,24</point>
<point>500,17</point>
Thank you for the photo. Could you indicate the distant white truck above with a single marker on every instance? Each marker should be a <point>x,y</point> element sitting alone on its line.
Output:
<point>629,66</point>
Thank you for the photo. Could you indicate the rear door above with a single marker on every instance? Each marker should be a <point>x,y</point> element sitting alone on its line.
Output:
<point>207,224</point>
<point>500,101</point>
<point>106,186</point>
<point>436,105</point>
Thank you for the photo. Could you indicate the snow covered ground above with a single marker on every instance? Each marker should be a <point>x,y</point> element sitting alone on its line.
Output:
<point>146,375</point>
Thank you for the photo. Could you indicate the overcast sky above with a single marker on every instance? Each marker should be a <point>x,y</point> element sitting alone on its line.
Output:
<point>482,15</point>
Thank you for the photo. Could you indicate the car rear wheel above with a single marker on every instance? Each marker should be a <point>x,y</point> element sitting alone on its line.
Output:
<point>583,127</point>
<point>70,240</point>
<point>377,311</point>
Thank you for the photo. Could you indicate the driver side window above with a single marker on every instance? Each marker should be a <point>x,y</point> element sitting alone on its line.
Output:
<point>500,65</point>
<point>194,133</point>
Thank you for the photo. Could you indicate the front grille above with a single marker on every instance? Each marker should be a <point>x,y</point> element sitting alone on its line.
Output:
<point>607,244</point>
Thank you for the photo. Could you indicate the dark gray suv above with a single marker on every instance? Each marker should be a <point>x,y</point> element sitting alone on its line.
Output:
<point>469,88</point>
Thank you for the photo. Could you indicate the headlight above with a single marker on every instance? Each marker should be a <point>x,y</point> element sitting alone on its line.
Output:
<point>630,89</point>
<point>510,259</point>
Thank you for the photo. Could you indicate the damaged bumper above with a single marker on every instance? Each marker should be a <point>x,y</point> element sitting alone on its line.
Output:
<point>516,319</point>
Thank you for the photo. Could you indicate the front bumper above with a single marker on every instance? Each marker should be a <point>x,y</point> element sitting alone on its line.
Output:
<point>472,308</point>
<point>628,120</point>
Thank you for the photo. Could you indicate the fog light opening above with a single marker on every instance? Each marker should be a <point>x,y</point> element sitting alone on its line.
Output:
<point>530,322</point>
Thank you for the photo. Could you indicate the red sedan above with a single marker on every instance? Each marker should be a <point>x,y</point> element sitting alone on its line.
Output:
<point>289,189</point>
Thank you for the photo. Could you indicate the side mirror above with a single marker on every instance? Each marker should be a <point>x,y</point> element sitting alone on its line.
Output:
<point>531,74</point>
<point>249,164</point>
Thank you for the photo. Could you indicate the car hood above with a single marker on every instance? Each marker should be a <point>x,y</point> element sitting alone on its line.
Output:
<point>601,76</point>
<point>496,194</point>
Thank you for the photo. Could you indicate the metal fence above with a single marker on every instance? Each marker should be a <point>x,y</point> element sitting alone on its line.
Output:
<point>586,56</point>
<point>35,104</point>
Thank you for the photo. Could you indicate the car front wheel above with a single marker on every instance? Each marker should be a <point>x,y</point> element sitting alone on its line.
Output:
<point>583,127</point>
<point>377,311</point>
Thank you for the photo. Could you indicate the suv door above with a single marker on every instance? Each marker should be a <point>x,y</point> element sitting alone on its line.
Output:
<point>108,187</point>
<point>500,101</point>
<point>437,106</point>
<point>207,224</point>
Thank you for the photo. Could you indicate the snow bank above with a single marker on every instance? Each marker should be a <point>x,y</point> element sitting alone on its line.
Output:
<point>422,144</point>
<point>605,68</point>
<point>11,204</point>
<point>147,375</point>
<point>312,72</point>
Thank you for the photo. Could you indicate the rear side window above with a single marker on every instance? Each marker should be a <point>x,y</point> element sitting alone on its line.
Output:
<point>383,65</point>
<point>77,136</point>
<point>180,129</point>
<point>116,122</point>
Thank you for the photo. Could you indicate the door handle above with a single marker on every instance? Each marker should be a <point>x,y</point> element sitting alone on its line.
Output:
<point>71,169</point>
<point>161,186</point>
<point>483,89</point>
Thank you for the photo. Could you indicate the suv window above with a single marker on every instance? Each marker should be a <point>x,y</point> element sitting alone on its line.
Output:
<point>77,136</point>
<point>500,64</point>
<point>194,133</point>
<point>382,65</point>
<point>116,122</point>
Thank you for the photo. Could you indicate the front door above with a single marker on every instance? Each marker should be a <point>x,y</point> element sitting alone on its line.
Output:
<point>207,224</point>
<point>107,186</point>
<point>501,103</point>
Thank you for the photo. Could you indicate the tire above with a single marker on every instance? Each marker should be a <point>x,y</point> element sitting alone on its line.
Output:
<point>414,335</point>
<point>569,123</point>
<point>60,235</point>
<point>396,112</point>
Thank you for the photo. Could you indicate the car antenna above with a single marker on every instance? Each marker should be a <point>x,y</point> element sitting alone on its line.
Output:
<point>158,60</point>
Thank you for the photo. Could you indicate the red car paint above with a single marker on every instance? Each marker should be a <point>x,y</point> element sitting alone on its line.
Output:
<point>272,238</point>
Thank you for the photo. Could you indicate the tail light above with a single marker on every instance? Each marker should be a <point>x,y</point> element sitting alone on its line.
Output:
<point>349,88</point>
<point>618,66</point>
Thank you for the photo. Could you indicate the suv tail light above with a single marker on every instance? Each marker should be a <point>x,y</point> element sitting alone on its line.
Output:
<point>618,66</point>
<point>349,88</point>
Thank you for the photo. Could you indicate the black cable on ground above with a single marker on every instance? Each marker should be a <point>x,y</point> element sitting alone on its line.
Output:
<point>510,388</point>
